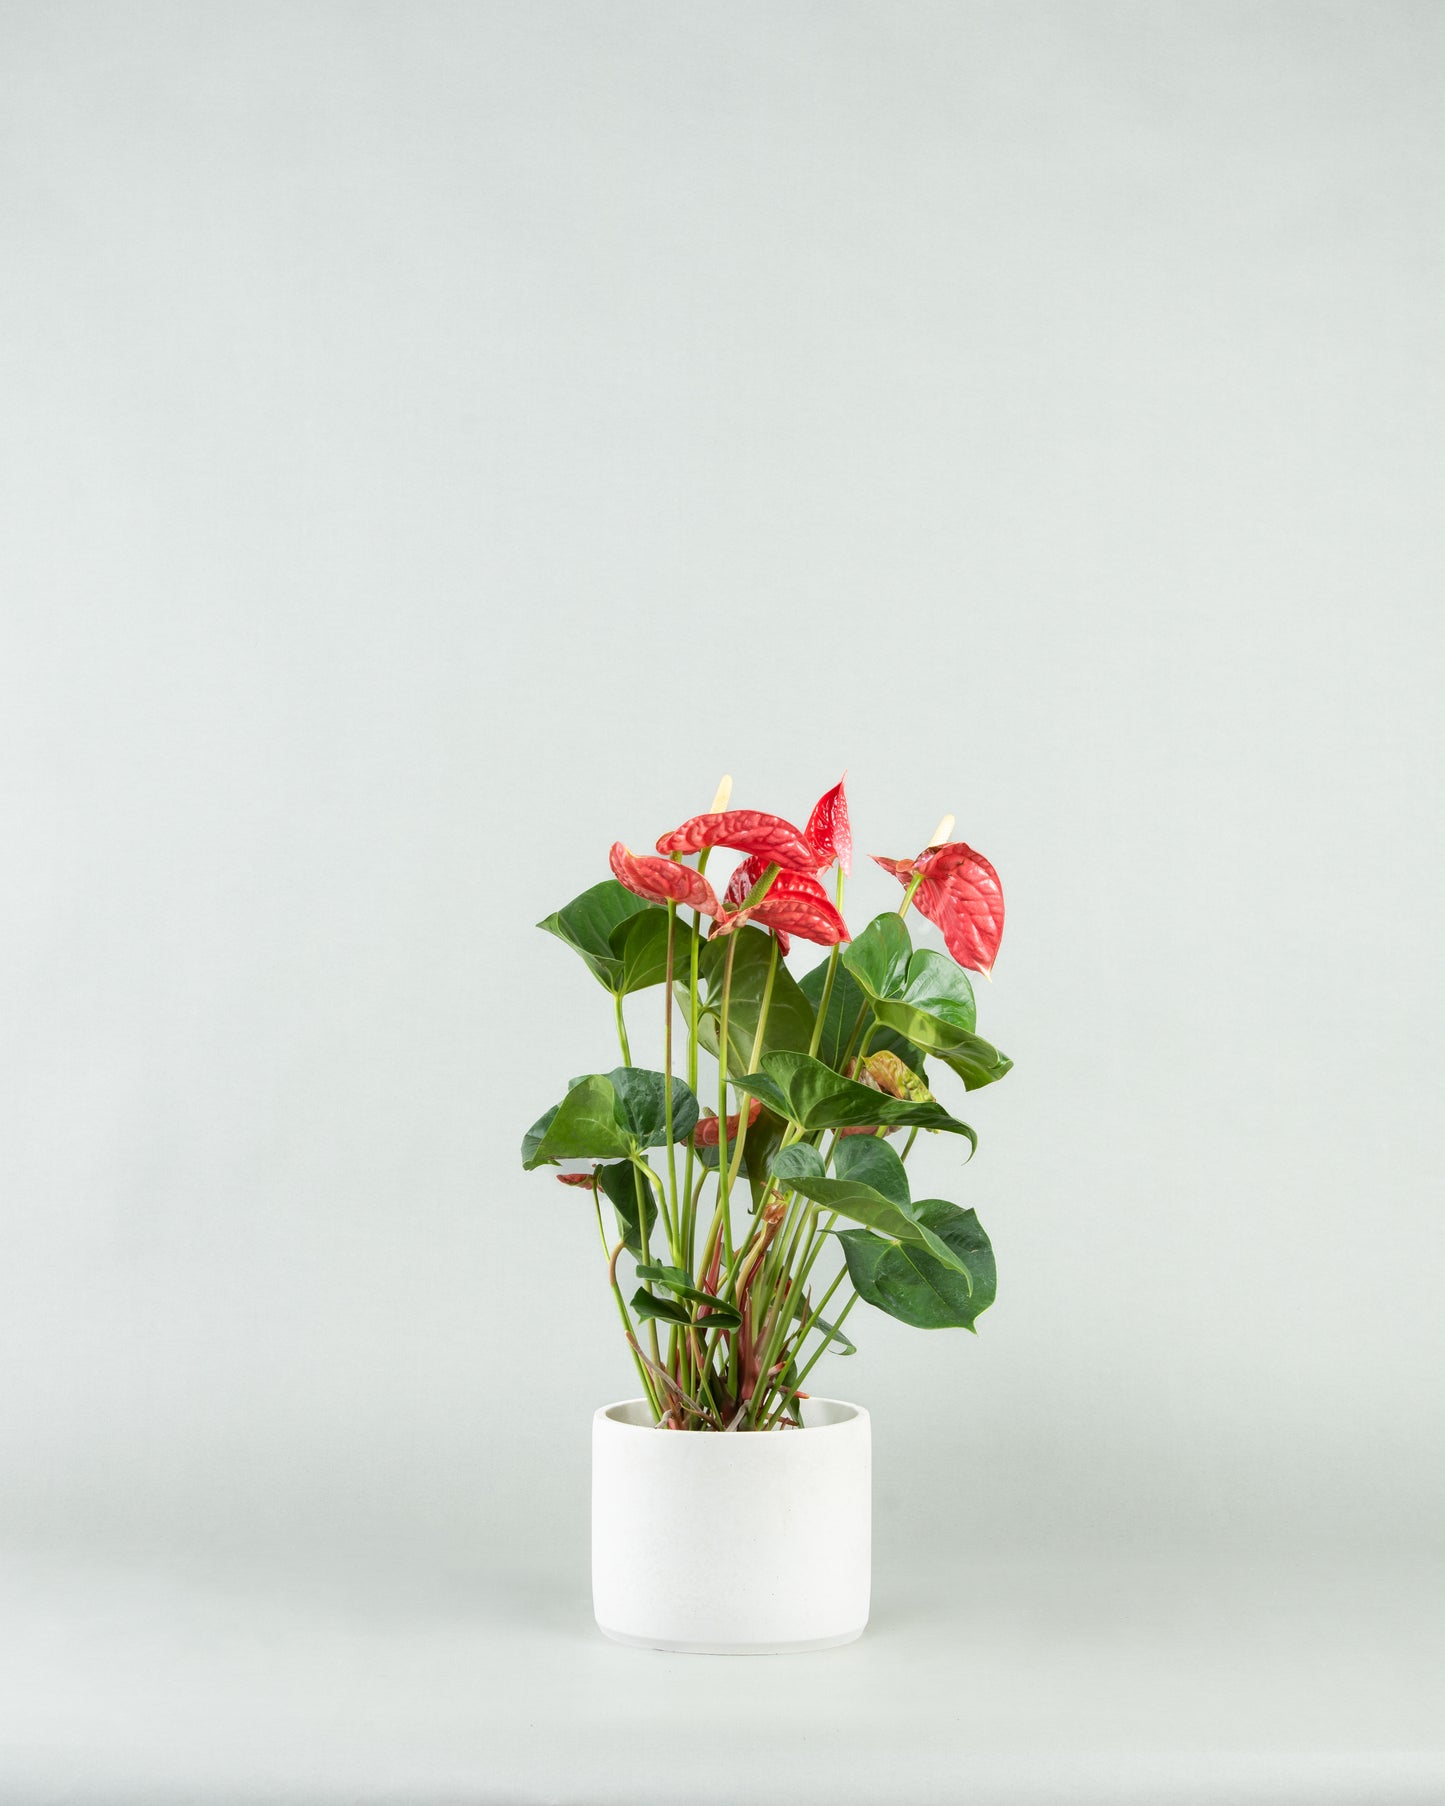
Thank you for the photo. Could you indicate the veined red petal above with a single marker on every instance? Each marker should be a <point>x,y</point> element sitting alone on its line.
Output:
<point>705,1135</point>
<point>796,903</point>
<point>662,880</point>
<point>743,879</point>
<point>747,831</point>
<point>740,888</point>
<point>587,1179</point>
<point>962,895</point>
<point>830,831</point>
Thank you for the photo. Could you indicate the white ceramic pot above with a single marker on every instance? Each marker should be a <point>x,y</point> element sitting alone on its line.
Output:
<point>732,1543</point>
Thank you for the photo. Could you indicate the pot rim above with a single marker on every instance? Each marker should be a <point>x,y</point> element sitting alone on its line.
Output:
<point>856,1414</point>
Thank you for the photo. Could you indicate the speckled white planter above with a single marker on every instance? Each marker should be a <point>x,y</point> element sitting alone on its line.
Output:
<point>715,1543</point>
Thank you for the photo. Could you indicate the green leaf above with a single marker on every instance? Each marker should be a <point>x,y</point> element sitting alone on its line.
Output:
<point>624,1186</point>
<point>588,922</point>
<point>884,1207</point>
<point>931,1003</point>
<point>868,1160</point>
<point>816,1097</point>
<point>647,1304</point>
<point>878,959</point>
<point>790,1015</point>
<point>671,1277</point>
<point>910,1284</point>
<point>641,1105</point>
<point>976,1061</point>
<point>723,1316</point>
<point>640,948</point>
<point>829,1331</point>
<point>845,1005</point>
<point>940,986</point>
<point>586,1125</point>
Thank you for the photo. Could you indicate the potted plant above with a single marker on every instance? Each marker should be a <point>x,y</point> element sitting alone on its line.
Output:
<point>746,1194</point>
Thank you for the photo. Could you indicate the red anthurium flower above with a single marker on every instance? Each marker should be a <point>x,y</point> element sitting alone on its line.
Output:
<point>962,895</point>
<point>587,1179</point>
<point>829,831</point>
<point>662,880</point>
<point>740,886</point>
<point>795,904</point>
<point>705,1135</point>
<point>776,841</point>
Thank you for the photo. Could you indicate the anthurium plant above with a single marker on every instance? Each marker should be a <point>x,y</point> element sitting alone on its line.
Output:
<point>743,1215</point>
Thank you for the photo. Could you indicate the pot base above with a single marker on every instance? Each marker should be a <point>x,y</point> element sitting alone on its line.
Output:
<point>671,1646</point>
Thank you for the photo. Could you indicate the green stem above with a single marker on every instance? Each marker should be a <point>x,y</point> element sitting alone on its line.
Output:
<point>827,996</point>
<point>723,1185</point>
<point>812,1361</point>
<point>735,1166</point>
<point>642,1374</point>
<point>667,1086</point>
<point>622,1029</point>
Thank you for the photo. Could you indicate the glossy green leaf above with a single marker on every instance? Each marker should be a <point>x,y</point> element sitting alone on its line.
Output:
<point>941,987</point>
<point>586,1125</point>
<point>790,1015</point>
<point>828,1331</point>
<point>868,1160</point>
<point>647,1304</point>
<point>929,1001</point>
<point>588,923</point>
<point>816,1097</point>
<point>908,1283</point>
<point>721,1316</point>
<point>641,1099</point>
<point>878,958</point>
<point>640,947</point>
<point>845,1007</point>
<point>888,1211</point>
<point>628,1192</point>
<point>976,1061</point>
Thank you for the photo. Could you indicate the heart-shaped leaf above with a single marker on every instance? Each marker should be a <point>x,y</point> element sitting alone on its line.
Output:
<point>888,1211</point>
<point>976,1061</point>
<point>867,1160</point>
<point>878,959</point>
<point>790,1015</point>
<point>588,923</point>
<point>586,1125</point>
<point>907,1281</point>
<point>929,1001</point>
<point>640,947</point>
<point>630,1194</point>
<point>816,1097</point>
<point>846,1006</point>
<point>642,1105</point>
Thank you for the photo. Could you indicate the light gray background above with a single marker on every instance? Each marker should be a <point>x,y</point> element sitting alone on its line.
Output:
<point>439,440</point>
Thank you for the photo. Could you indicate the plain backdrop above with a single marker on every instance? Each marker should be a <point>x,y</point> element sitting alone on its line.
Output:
<point>440,440</point>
